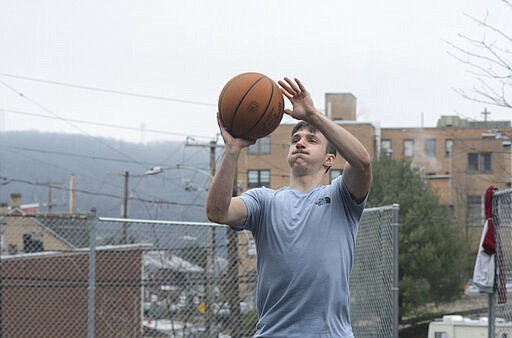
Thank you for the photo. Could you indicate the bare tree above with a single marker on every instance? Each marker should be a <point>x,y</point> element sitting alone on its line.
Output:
<point>489,59</point>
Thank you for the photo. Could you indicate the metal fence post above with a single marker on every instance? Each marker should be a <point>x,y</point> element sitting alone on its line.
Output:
<point>395,284</point>
<point>92,273</point>
<point>491,328</point>
<point>376,259</point>
<point>1,293</point>
<point>497,301</point>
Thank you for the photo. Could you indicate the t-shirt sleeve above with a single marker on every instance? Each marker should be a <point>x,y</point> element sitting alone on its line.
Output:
<point>253,201</point>
<point>353,209</point>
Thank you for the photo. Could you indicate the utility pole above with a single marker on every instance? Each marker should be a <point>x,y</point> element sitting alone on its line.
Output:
<point>125,199</point>
<point>50,201</point>
<point>50,198</point>
<point>210,261</point>
<point>125,208</point>
<point>232,291</point>
<point>72,194</point>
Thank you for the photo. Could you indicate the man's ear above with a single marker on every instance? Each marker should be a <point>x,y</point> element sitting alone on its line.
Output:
<point>329,160</point>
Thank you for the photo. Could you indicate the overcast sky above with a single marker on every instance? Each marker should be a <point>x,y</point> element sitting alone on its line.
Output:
<point>177,55</point>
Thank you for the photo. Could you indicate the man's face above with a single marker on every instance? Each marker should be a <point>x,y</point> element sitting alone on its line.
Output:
<point>307,149</point>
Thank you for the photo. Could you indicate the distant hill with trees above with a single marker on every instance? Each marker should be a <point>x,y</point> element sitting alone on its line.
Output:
<point>40,166</point>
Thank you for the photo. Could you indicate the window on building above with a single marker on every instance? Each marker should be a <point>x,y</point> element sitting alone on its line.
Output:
<point>479,163</point>
<point>486,162</point>
<point>408,148</point>
<point>261,147</point>
<point>258,178</point>
<point>475,214</point>
<point>430,147</point>
<point>448,147</point>
<point>385,147</point>
<point>440,334</point>
<point>333,173</point>
<point>472,162</point>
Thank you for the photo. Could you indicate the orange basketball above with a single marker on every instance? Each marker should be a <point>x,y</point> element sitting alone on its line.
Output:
<point>251,106</point>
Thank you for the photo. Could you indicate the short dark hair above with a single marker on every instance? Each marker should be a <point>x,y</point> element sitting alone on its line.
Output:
<point>306,125</point>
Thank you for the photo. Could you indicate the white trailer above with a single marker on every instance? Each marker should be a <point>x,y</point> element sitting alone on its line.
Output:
<point>454,326</point>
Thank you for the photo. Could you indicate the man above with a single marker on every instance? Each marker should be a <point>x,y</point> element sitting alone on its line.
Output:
<point>305,233</point>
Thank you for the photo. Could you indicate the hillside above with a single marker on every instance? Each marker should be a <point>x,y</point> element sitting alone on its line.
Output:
<point>38,165</point>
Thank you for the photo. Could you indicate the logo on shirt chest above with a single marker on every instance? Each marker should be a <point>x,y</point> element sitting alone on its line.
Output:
<point>322,201</point>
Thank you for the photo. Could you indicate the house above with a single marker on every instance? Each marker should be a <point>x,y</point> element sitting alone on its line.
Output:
<point>47,294</point>
<point>21,233</point>
<point>16,207</point>
<point>24,230</point>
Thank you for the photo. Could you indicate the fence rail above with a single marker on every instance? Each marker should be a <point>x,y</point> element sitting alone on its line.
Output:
<point>88,276</point>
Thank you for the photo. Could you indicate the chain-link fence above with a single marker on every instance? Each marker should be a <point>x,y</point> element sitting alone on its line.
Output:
<point>501,303</point>
<point>83,276</point>
<point>374,278</point>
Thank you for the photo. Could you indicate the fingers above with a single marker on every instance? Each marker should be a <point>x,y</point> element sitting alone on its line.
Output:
<point>293,85</point>
<point>220,122</point>
<point>301,86</point>
<point>223,131</point>
<point>285,92</point>
<point>289,112</point>
<point>291,88</point>
<point>230,139</point>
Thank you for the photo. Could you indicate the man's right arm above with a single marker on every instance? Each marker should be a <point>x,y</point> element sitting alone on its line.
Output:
<point>221,207</point>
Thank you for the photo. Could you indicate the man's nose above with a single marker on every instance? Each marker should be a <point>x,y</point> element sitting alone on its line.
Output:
<point>300,143</point>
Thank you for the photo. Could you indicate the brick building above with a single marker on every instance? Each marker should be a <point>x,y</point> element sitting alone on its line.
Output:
<point>459,158</point>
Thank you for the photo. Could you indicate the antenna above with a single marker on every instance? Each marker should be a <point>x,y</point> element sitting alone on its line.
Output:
<point>485,113</point>
<point>142,129</point>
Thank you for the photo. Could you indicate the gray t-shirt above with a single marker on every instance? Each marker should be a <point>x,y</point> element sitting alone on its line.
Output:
<point>305,245</point>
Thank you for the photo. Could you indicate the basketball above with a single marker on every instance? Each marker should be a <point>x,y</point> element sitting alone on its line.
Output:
<point>251,106</point>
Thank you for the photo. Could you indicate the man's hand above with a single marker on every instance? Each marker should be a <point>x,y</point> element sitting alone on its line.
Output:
<point>229,140</point>
<point>300,98</point>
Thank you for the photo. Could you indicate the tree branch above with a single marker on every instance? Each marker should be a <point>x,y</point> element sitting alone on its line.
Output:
<point>492,28</point>
<point>489,60</point>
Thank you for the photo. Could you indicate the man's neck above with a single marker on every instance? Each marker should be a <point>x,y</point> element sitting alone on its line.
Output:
<point>305,183</point>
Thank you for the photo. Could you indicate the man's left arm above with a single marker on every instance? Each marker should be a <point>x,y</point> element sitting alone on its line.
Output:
<point>357,173</point>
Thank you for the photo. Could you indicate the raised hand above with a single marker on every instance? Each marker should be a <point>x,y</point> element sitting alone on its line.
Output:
<point>229,140</point>
<point>303,105</point>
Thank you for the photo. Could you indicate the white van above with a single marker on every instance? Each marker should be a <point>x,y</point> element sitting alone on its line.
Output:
<point>454,326</point>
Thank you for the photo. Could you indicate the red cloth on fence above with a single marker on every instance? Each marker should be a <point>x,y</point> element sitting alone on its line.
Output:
<point>489,243</point>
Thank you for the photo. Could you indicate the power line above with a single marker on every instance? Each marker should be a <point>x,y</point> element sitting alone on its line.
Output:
<point>7,180</point>
<point>71,124</point>
<point>63,154</point>
<point>70,154</point>
<point>82,175</point>
<point>154,131</point>
<point>60,153</point>
<point>111,91</point>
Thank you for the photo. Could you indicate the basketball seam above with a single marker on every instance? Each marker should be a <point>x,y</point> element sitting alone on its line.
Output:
<point>243,97</point>
<point>266,108</point>
<point>224,90</point>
